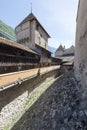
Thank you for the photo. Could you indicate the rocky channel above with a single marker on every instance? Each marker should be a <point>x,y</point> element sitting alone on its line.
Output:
<point>59,108</point>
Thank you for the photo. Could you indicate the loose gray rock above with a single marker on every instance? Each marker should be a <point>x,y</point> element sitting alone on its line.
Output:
<point>59,108</point>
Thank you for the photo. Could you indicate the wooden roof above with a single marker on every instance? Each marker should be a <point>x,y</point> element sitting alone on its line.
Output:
<point>16,45</point>
<point>43,48</point>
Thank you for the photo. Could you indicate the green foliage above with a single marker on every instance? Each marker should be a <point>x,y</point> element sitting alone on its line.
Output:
<point>9,126</point>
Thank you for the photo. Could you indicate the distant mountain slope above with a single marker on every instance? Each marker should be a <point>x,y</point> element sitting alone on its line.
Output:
<point>7,31</point>
<point>52,49</point>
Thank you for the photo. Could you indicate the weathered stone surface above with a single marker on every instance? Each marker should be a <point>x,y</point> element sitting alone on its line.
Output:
<point>57,109</point>
<point>80,64</point>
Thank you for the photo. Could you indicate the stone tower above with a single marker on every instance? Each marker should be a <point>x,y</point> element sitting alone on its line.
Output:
<point>30,33</point>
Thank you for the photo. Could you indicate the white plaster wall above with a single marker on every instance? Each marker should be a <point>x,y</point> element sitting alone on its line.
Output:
<point>43,37</point>
<point>81,44</point>
<point>32,31</point>
<point>27,30</point>
<point>23,31</point>
<point>23,27</point>
<point>23,34</point>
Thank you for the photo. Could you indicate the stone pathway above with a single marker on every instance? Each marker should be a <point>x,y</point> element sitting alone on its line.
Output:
<point>59,108</point>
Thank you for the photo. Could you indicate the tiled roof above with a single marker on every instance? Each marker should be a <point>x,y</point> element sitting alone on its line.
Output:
<point>31,17</point>
<point>70,50</point>
<point>7,31</point>
<point>64,52</point>
<point>43,48</point>
<point>60,48</point>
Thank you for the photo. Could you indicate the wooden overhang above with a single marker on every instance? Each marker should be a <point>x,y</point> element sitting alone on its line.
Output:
<point>16,45</point>
<point>55,58</point>
<point>42,48</point>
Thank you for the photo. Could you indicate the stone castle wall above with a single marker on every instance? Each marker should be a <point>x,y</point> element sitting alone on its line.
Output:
<point>81,44</point>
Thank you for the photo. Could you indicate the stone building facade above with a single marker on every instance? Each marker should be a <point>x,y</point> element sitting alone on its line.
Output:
<point>67,55</point>
<point>61,51</point>
<point>81,43</point>
<point>32,34</point>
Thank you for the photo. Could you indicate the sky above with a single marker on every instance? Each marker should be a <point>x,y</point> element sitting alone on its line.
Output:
<point>58,17</point>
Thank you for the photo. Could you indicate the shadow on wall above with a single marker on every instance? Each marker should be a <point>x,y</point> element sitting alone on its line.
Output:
<point>9,95</point>
<point>34,117</point>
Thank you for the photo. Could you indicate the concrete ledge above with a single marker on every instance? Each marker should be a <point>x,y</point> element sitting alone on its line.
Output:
<point>7,79</point>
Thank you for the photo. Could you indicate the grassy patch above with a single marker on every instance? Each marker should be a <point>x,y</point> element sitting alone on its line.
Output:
<point>33,97</point>
<point>9,126</point>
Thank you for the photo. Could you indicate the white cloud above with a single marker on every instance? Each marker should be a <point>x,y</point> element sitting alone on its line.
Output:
<point>58,17</point>
<point>56,43</point>
<point>60,21</point>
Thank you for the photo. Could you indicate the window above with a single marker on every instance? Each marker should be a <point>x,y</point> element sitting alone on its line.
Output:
<point>27,39</point>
